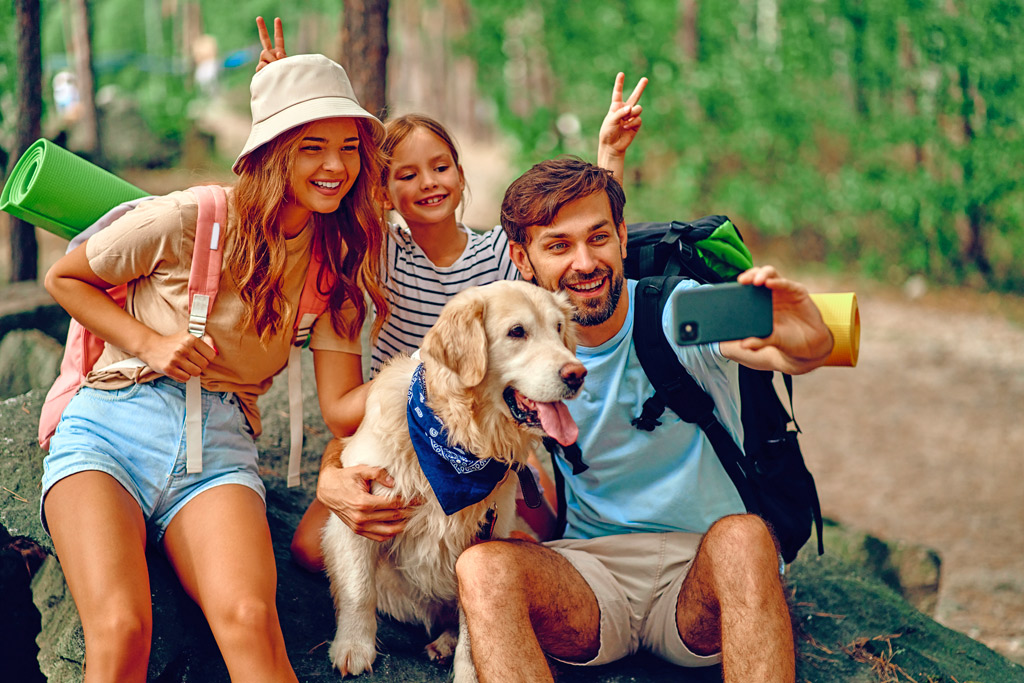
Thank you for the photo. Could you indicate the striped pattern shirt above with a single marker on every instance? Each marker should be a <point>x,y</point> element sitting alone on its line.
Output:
<point>419,289</point>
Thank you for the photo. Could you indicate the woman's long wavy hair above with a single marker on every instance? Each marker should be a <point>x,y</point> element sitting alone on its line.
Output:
<point>349,240</point>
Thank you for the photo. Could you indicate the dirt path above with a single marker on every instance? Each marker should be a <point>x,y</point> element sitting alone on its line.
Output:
<point>924,442</point>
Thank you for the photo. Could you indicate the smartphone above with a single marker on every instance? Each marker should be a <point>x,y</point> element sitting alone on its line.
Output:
<point>722,312</point>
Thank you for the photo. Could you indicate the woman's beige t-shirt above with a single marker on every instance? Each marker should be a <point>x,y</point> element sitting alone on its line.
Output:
<point>150,248</point>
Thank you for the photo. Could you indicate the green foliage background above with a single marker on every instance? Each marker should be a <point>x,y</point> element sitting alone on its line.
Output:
<point>841,126</point>
<point>842,130</point>
<point>137,48</point>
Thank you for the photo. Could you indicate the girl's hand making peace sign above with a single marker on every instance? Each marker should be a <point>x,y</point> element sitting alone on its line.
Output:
<point>272,51</point>
<point>620,126</point>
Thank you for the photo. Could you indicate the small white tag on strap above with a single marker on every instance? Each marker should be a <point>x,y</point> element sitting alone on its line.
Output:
<point>295,414</point>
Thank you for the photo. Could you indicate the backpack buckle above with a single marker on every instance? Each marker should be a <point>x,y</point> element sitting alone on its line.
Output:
<point>647,420</point>
<point>685,249</point>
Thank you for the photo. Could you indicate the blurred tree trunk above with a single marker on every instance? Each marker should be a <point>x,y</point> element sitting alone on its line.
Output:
<point>766,22</point>
<point>364,51</point>
<point>88,126</point>
<point>858,18</point>
<point>908,62</point>
<point>975,248</point>
<point>687,30</point>
<point>24,250</point>
<point>191,29</point>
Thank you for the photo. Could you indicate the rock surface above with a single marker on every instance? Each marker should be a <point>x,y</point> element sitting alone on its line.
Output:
<point>853,624</point>
<point>29,360</point>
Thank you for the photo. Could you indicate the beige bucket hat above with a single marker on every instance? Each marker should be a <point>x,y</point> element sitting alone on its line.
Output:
<point>296,90</point>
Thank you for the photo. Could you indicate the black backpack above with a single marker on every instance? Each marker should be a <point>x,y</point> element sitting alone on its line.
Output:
<point>769,472</point>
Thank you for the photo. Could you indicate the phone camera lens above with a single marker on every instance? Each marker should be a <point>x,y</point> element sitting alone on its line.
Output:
<point>688,331</point>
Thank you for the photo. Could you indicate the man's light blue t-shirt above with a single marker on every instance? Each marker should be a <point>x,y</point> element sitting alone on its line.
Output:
<point>666,480</point>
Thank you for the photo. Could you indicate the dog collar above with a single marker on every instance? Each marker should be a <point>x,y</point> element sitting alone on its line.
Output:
<point>457,478</point>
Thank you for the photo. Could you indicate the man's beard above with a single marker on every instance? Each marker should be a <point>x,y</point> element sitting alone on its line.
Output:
<point>595,311</point>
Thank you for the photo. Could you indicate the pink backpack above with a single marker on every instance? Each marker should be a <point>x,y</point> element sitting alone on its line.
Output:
<point>83,348</point>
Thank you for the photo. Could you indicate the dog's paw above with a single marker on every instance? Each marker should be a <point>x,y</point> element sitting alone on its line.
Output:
<point>351,658</point>
<point>443,647</point>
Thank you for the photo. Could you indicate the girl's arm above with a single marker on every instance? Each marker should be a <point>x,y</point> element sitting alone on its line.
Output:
<point>76,287</point>
<point>340,389</point>
<point>345,491</point>
<point>619,128</point>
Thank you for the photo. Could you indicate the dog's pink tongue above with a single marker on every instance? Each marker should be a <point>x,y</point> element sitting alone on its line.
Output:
<point>557,422</point>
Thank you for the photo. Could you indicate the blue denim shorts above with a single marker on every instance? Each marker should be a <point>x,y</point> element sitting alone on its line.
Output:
<point>137,436</point>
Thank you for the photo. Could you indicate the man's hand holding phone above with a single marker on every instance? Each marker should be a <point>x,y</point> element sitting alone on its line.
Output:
<point>799,340</point>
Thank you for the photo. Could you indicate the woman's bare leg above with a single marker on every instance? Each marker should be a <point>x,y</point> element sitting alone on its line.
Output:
<point>100,536</point>
<point>219,544</point>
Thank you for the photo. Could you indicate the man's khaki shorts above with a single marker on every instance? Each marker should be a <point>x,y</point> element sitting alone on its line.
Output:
<point>636,579</point>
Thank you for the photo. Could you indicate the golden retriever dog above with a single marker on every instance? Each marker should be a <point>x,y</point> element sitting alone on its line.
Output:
<point>452,429</point>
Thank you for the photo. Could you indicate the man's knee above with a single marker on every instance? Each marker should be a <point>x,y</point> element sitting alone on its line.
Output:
<point>741,541</point>
<point>488,569</point>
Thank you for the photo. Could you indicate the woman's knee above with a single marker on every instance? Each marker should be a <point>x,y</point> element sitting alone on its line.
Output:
<point>251,616</point>
<point>116,630</point>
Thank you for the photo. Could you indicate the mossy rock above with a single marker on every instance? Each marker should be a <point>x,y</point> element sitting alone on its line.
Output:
<point>29,360</point>
<point>851,624</point>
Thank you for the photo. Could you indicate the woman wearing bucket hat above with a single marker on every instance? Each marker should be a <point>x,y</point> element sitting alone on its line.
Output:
<point>116,474</point>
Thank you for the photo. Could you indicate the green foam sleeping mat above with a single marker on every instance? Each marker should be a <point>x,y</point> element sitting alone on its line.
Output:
<point>60,191</point>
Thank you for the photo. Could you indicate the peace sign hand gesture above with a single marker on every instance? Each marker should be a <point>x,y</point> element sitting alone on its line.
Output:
<point>272,51</point>
<point>620,126</point>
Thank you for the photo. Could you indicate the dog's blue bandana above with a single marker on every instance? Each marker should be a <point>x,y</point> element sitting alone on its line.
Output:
<point>457,478</point>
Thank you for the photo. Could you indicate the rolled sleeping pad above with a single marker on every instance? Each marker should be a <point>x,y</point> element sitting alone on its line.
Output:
<point>60,191</point>
<point>839,311</point>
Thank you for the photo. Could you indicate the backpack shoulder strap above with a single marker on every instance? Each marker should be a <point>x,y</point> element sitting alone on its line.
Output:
<point>312,302</point>
<point>674,387</point>
<point>203,283</point>
<point>561,512</point>
<point>573,456</point>
<point>207,255</point>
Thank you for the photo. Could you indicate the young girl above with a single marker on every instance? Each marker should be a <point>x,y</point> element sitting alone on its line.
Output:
<point>427,263</point>
<point>115,476</point>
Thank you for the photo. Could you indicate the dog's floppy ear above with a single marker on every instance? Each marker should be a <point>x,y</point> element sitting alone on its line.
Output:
<point>569,322</point>
<point>458,340</point>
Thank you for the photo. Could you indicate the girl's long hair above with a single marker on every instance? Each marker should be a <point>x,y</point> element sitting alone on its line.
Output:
<point>349,240</point>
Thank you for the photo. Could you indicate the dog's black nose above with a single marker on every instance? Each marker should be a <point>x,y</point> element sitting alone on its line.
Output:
<point>572,374</point>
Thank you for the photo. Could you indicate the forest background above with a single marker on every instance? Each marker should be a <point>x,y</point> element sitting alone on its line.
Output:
<point>874,139</point>
<point>879,135</point>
